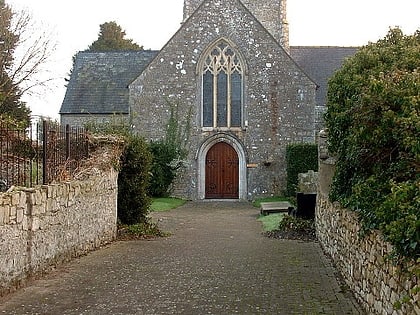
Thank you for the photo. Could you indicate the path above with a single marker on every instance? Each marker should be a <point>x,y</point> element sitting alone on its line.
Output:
<point>215,262</point>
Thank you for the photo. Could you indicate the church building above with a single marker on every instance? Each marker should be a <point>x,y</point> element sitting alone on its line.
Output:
<point>239,92</point>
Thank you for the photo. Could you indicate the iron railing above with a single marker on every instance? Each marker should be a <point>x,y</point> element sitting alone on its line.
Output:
<point>42,154</point>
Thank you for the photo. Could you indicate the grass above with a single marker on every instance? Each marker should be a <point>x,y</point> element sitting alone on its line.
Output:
<point>271,222</point>
<point>165,204</point>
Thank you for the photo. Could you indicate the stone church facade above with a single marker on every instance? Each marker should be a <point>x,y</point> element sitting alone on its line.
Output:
<point>239,95</point>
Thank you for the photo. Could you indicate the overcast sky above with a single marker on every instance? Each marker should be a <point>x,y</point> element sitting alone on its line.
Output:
<point>75,24</point>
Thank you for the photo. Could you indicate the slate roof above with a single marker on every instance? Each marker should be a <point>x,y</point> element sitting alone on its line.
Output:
<point>99,81</point>
<point>320,63</point>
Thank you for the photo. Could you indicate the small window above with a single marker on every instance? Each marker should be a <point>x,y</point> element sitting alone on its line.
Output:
<point>222,94</point>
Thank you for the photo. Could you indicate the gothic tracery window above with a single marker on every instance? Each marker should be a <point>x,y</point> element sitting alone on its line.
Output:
<point>222,94</point>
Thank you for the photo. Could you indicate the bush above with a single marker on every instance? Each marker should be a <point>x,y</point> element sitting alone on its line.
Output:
<point>169,153</point>
<point>133,182</point>
<point>300,157</point>
<point>164,170</point>
<point>373,120</point>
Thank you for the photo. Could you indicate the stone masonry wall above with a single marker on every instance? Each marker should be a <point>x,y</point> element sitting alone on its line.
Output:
<point>82,120</point>
<point>43,226</point>
<point>362,261</point>
<point>271,13</point>
<point>278,106</point>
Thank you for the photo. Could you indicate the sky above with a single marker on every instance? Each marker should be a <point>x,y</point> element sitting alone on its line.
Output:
<point>74,25</point>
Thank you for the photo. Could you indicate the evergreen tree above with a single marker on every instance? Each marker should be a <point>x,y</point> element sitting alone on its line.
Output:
<point>10,94</point>
<point>111,37</point>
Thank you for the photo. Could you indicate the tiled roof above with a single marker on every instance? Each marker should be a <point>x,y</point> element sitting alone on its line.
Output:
<point>99,81</point>
<point>320,63</point>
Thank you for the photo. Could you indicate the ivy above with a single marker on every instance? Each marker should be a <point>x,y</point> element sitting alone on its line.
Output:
<point>301,157</point>
<point>373,120</point>
<point>169,152</point>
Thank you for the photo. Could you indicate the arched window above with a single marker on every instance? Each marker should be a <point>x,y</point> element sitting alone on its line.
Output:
<point>222,89</point>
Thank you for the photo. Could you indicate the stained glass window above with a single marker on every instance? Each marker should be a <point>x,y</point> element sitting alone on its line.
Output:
<point>222,88</point>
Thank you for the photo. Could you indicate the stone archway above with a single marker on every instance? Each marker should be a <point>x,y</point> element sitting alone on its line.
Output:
<point>201,156</point>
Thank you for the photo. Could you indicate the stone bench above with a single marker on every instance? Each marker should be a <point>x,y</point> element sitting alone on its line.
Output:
<point>275,207</point>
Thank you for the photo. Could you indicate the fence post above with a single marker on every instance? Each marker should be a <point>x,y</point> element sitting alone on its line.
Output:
<point>44,152</point>
<point>67,142</point>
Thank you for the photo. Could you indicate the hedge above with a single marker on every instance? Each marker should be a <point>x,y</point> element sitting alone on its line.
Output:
<point>300,157</point>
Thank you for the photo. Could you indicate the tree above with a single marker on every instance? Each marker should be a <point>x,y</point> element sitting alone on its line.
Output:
<point>111,38</point>
<point>22,55</point>
<point>10,104</point>
<point>373,120</point>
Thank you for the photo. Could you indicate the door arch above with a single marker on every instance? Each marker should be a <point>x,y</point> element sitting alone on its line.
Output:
<point>201,155</point>
<point>222,172</point>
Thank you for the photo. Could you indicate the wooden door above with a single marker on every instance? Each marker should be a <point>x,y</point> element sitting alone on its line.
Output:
<point>222,172</point>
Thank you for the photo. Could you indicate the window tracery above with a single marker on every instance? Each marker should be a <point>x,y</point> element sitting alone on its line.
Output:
<point>222,87</point>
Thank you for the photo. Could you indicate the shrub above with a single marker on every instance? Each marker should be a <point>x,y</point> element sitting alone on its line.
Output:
<point>163,168</point>
<point>169,153</point>
<point>301,157</point>
<point>133,182</point>
<point>373,120</point>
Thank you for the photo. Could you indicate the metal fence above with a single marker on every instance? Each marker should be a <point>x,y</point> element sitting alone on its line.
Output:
<point>44,153</point>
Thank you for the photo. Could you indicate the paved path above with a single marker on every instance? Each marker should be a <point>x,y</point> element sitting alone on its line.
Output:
<point>215,262</point>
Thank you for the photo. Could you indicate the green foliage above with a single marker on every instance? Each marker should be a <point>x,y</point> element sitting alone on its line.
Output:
<point>10,94</point>
<point>373,120</point>
<point>133,182</point>
<point>163,171</point>
<point>117,125</point>
<point>300,157</point>
<point>111,38</point>
<point>9,39</point>
<point>140,231</point>
<point>168,154</point>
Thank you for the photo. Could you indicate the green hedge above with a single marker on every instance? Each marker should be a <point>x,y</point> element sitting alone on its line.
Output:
<point>373,121</point>
<point>133,182</point>
<point>301,157</point>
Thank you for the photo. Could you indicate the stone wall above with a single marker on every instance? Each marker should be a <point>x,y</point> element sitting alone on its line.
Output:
<point>43,226</point>
<point>278,100</point>
<point>362,261</point>
<point>82,120</point>
<point>271,13</point>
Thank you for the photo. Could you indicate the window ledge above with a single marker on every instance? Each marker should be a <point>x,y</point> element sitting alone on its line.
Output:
<point>221,129</point>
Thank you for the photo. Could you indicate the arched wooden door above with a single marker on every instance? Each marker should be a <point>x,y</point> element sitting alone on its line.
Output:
<point>222,172</point>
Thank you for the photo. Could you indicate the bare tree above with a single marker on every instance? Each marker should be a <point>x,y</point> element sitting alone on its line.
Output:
<point>34,48</point>
<point>24,51</point>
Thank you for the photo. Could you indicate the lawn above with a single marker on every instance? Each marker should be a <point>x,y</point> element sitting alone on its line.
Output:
<point>165,204</point>
<point>271,222</point>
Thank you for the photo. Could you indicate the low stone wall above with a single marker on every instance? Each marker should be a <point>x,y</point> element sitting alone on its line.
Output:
<point>362,261</point>
<point>40,227</point>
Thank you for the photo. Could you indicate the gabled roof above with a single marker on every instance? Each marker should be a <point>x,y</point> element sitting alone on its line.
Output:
<point>320,63</point>
<point>99,81</point>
